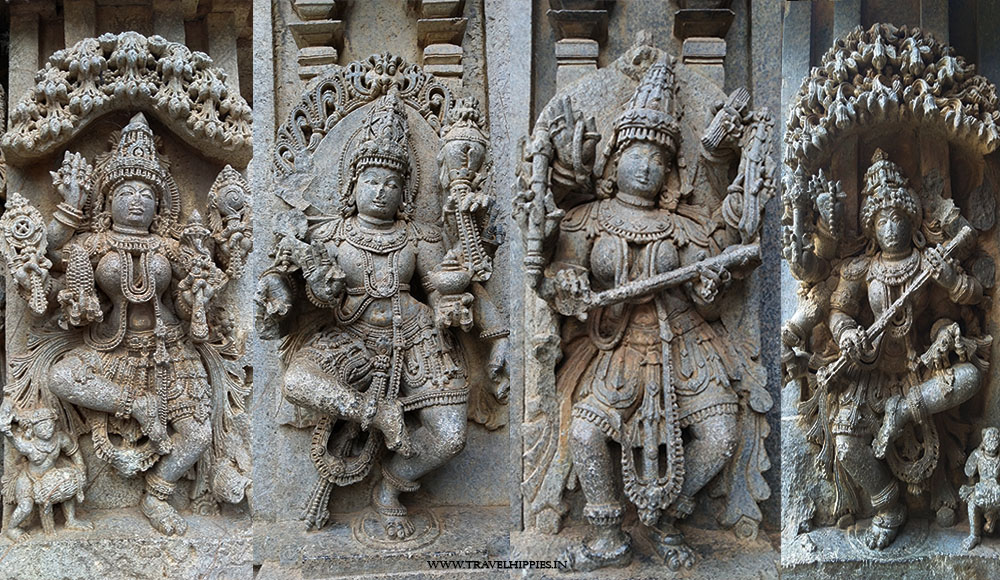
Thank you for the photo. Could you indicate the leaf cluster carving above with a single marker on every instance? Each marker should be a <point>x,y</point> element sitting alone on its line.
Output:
<point>890,74</point>
<point>129,71</point>
<point>334,95</point>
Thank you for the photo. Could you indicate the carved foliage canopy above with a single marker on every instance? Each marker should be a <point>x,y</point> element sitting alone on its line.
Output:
<point>887,74</point>
<point>129,71</point>
<point>342,90</point>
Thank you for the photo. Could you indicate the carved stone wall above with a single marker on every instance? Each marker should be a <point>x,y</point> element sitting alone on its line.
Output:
<point>83,79</point>
<point>863,106</point>
<point>303,162</point>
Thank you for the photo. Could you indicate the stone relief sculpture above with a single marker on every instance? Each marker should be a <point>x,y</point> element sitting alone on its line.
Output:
<point>889,340</point>
<point>642,249</point>
<point>376,272</point>
<point>129,337</point>
<point>983,497</point>
<point>38,480</point>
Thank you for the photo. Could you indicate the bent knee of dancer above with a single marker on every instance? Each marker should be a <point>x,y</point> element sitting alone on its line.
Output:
<point>199,437</point>
<point>585,434</point>
<point>967,380</point>
<point>299,385</point>
<point>449,438</point>
<point>68,377</point>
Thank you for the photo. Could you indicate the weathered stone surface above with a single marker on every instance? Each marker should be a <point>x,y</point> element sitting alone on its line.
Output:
<point>571,245</point>
<point>886,441</point>
<point>124,253</point>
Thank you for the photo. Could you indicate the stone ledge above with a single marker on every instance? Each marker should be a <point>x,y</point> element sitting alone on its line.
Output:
<point>720,555</point>
<point>922,551</point>
<point>285,550</point>
<point>123,545</point>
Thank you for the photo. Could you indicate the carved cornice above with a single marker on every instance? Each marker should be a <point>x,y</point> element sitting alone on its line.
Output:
<point>335,94</point>
<point>888,75</point>
<point>129,71</point>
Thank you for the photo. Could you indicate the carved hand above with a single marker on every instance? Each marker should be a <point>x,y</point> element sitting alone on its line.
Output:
<point>945,342</point>
<point>73,180</point>
<point>497,368</point>
<point>942,269</point>
<point>273,297</point>
<point>572,292</point>
<point>454,310</point>
<point>710,281</point>
<point>724,131</point>
<point>574,138</point>
<point>325,278</point>
<point>853,342</point>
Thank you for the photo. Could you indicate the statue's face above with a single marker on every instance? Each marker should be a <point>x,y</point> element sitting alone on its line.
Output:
<point>45,429</point>
<point>991,441</point>
<point>379,192</point>
<point>893,230</point>
<point>642,168</point>
<point>133,204</point>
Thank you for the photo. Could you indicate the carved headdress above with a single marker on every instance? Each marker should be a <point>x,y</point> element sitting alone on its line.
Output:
<point>386,136</point>
<point>135,157</point>
<point>649,114</point>
<point>886,187</point>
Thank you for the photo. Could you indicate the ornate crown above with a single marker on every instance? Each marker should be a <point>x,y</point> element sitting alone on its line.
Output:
<point>134,157</point>
<point>886,187</point>
<point>649,114</point>
<point>386,137</point>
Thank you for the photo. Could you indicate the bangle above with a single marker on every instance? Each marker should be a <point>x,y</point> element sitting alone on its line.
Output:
<point>68,215</point>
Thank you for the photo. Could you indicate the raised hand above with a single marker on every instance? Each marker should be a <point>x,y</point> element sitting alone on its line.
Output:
<point>572,292</point>
<point>575,138</point>
<point>74,179</point>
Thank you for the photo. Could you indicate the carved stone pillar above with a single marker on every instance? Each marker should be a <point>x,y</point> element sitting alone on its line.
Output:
<point>581,27</point>
<point>703,25</point>
<point>319,35</point>
<point>440,32</point>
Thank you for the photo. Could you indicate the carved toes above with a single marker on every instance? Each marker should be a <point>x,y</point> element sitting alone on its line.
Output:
<point>879,538</point>
<point>398,528</point>
<point>163,517</point>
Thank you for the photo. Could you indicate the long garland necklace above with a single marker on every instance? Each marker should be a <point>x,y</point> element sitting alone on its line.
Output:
<point>141,291</point>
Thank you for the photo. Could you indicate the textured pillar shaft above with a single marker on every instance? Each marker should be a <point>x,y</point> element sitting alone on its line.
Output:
<point>222,46</point>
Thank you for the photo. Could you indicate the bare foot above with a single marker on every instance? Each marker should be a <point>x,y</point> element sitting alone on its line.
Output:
<point>17,534</point>
<point>670,545</point>
<point>885,526</point>
<point>391,513</point>
<point>79,524</point>
<point>163,516</point>
<point>605,551</point>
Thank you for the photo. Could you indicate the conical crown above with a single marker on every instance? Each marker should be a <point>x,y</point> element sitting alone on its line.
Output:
<point>134,158</point>
<point>649,114</point>
<point>386,137</point>
<point>886,187</point>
